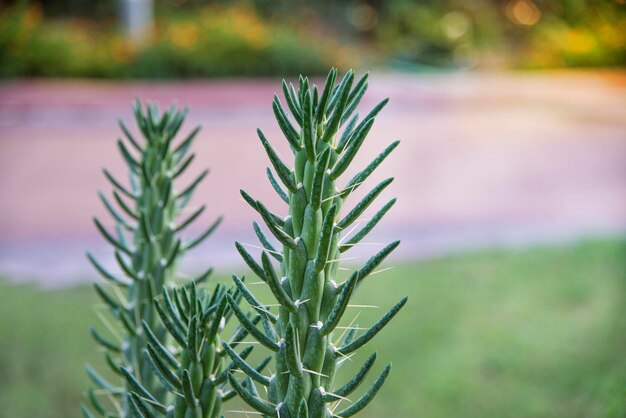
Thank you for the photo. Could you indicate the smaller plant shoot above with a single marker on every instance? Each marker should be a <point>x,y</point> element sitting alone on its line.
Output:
<point>164,350</point>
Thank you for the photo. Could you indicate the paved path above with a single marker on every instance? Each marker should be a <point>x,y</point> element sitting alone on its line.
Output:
<point>485,159</point>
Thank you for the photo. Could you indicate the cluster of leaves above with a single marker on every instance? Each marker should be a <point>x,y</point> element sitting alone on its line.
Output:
<point>313,236</point>
<point>196,376</point>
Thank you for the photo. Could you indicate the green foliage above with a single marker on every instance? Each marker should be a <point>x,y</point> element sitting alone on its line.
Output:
<point>210,38</point>
<point>306,340</point>
<point>148,247</point>
<point>211,42</point>
<point>519,33</point>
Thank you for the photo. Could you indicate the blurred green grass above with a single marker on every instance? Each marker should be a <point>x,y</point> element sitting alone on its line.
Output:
<point>537,332</point>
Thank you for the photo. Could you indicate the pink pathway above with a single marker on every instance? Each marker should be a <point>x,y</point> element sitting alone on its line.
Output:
<point>485,159</point>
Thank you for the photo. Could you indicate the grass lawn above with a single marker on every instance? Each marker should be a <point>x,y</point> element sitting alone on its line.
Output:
<point>536,333</point>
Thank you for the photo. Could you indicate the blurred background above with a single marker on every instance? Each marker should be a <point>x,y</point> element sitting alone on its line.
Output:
<point>510,178</point>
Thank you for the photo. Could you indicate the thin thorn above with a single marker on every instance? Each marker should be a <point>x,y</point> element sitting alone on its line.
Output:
<point>109,326</point>
<point>345,331</point>
<point>363,243</point>
<point>262,248</point>
<point>381,270</point>
<point>331,197</point>
<point>313,372</point>
<point>339,397</point>
<point>336,260</point>
<point>347,234</point>
<point>345,358</point>
<point>150,401</point>
<point>261,308</point>
<point>355,328</point>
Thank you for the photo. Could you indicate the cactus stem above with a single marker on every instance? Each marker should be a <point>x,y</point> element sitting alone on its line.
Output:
<point>312,237</point>
<point>168,339</point>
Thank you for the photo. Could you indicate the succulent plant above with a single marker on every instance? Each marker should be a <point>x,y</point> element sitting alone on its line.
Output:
<point>195,374</point>
<point>313,236</point>
<point>149,216</point>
